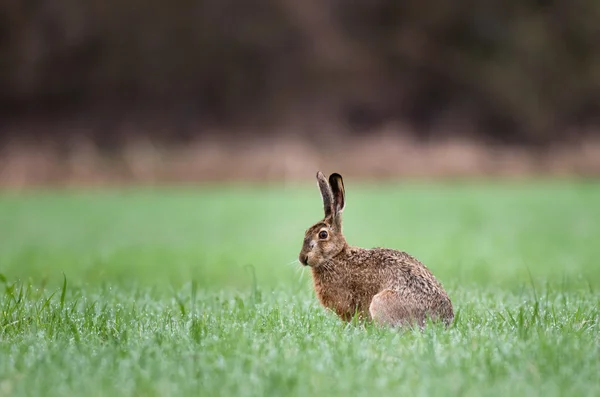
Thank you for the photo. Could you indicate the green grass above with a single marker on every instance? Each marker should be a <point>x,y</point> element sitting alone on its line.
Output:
<point>196,292</point>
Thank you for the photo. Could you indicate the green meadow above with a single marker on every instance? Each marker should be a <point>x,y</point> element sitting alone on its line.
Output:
<point>197,291</point>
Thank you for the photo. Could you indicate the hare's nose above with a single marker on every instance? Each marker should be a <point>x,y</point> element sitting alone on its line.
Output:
<point>303,259</point>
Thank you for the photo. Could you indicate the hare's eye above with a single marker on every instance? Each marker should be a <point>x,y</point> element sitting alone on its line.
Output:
<point>323,234</point>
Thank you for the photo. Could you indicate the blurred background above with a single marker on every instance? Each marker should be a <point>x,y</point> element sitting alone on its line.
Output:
<point>129,91</point>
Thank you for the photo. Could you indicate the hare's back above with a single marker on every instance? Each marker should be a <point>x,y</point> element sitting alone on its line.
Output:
<point>404,270</point>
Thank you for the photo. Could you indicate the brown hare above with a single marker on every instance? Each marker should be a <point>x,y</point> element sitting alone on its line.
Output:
<point>383,285</point>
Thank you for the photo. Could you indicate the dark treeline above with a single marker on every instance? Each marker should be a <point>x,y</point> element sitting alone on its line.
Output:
<point>523,71</point>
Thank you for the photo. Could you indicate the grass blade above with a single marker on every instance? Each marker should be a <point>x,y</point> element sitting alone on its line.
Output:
<point>64,292</point>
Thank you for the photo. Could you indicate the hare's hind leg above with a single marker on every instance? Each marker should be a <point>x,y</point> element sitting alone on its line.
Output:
<point>388,308</point>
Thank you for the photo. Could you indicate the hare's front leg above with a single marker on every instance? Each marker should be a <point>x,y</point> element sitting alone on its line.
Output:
<point>389,308</point>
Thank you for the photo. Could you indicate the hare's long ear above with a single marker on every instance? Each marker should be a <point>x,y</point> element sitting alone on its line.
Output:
<point>339,194</point>
<point>326,194</point>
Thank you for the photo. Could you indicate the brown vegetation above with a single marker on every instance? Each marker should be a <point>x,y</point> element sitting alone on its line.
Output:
<point>386,155</point>
<point>127,90</point>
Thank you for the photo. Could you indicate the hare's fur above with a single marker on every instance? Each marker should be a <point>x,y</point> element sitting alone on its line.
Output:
<point>386,286</point>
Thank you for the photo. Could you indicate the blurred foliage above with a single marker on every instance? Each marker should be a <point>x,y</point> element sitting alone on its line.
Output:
<point>521,70</point>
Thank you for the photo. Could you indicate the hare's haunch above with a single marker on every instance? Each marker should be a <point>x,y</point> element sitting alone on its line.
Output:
<point>387,286</point>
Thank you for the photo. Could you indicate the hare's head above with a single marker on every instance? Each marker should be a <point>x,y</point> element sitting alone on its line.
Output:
<point>324,239</point>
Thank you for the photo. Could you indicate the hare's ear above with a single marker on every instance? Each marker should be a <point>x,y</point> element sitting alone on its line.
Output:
<point>326,194</point>
<point>339,194</point>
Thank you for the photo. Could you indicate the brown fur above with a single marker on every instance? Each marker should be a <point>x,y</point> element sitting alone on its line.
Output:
<point>387,286</point>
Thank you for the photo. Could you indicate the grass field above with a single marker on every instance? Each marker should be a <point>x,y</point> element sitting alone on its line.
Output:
<point>197,292</point>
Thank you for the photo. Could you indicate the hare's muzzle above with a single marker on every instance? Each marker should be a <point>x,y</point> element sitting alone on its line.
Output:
<point>303,258</point>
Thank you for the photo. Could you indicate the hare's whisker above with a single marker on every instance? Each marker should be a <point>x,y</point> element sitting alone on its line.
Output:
<point>302,270</point>
<point>294,262</point>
